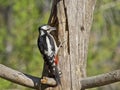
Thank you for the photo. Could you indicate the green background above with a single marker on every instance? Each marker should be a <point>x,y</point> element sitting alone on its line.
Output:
<point>19,21</point>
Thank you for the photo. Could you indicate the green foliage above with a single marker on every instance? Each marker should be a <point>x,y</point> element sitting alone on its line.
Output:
<point>4,84</point>
<point>18,37</point>
<point>104,47</point>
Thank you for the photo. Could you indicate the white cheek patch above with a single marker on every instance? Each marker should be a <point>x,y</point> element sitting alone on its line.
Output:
<point>42,33</point>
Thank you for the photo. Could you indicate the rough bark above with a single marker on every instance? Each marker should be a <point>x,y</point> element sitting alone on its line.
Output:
<point>100,80</point>
<point>73,18</point>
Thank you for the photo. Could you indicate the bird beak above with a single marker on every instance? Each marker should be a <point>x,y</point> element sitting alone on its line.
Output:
<point>52,28</point>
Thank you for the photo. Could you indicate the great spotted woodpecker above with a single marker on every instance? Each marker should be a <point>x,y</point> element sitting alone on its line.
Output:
<point>49,49</point>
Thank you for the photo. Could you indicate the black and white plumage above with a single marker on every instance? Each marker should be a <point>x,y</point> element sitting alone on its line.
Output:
<point>48,49</point>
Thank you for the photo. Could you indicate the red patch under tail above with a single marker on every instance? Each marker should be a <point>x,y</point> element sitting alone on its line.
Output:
<point>56,60</point>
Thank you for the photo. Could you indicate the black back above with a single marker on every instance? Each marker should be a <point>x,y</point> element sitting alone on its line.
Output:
<point>49,60</point>
<point>42,44</point>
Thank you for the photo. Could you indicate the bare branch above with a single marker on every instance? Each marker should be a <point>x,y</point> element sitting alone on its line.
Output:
<point>34,82</point>
<point>101,80</point>
<point>24,79</point>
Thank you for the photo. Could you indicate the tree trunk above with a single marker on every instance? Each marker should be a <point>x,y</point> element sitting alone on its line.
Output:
<point>73,21</point>
<point>73,18</point>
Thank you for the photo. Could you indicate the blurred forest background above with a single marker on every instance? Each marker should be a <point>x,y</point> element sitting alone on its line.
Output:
<point>19,21</point>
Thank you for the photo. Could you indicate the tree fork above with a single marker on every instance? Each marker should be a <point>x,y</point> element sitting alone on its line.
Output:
<point>33,82</point>
<point>73,19</point>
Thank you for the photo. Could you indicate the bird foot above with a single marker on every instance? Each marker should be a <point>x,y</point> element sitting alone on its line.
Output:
<point>44,80</point>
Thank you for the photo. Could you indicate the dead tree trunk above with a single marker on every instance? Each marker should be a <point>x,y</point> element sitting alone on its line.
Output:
<point>73,18</point>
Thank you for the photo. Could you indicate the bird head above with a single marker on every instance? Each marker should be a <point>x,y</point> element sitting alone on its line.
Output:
<point>46,29</point>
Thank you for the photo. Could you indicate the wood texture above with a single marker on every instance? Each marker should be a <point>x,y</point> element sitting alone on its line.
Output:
<point>23,79</point>
<point>34,82</point>
<point>73,18</point>
<point>100,80</point>
<point>74,26</point>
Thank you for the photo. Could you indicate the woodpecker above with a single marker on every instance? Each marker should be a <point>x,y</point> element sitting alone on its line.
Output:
<point>48,48</point>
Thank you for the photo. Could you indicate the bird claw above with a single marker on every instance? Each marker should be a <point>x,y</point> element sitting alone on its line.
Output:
<point>44,80</point>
